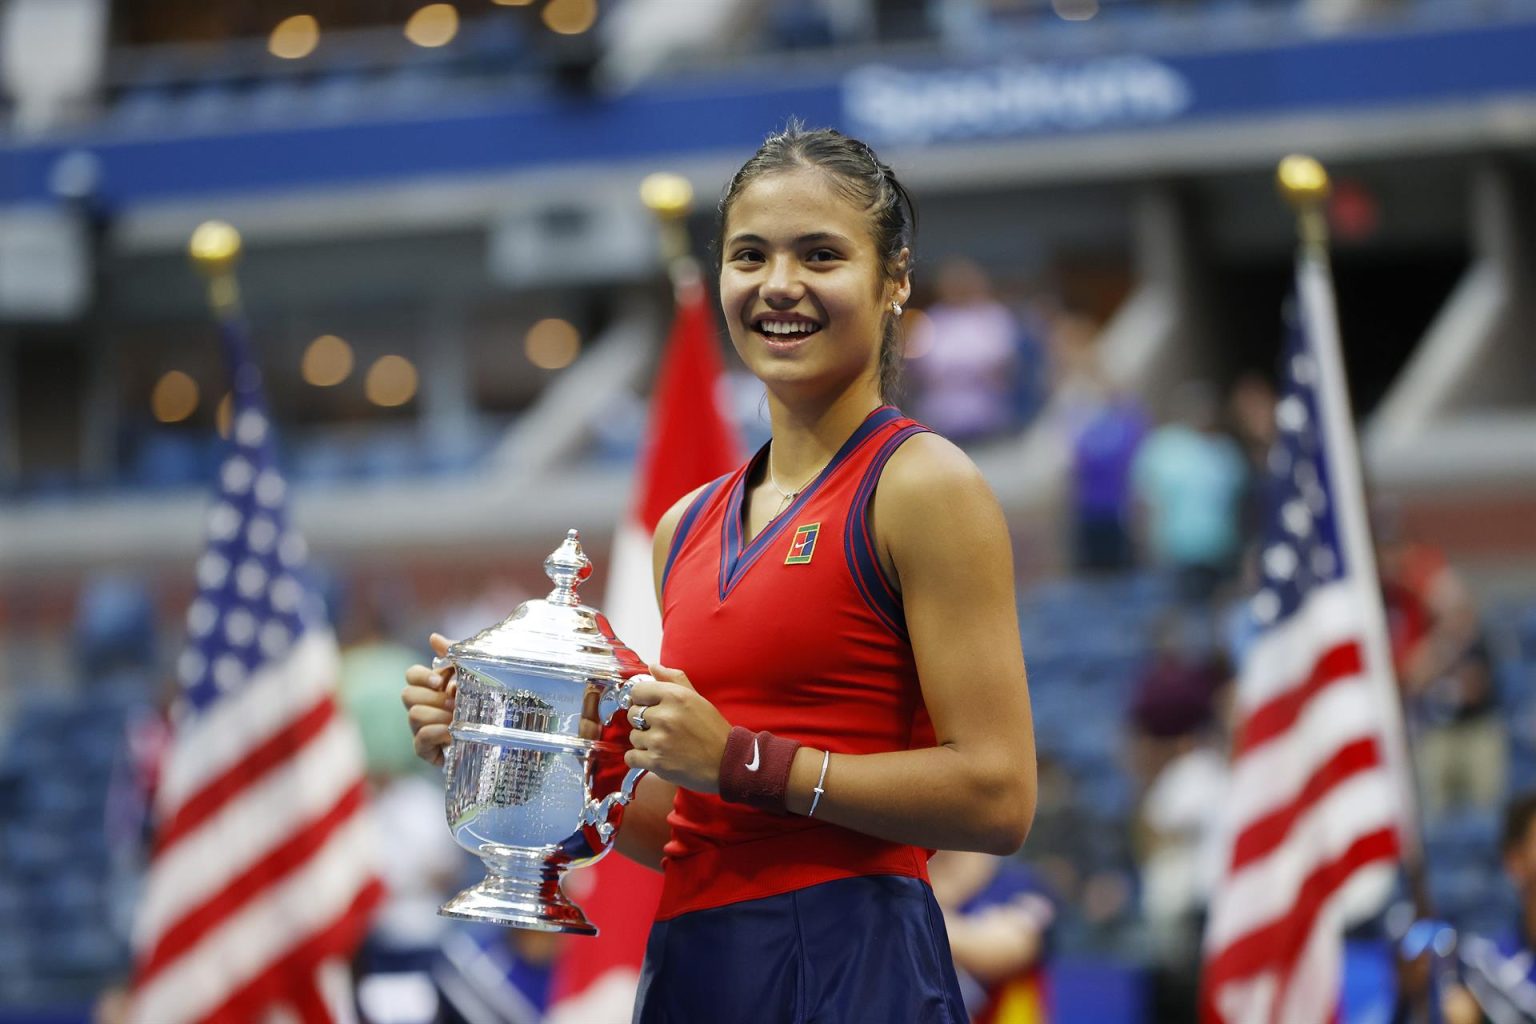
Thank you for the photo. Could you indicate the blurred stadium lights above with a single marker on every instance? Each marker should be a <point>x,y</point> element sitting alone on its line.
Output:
<point>294,37</point>
<point>391,381</point>
<point>327,361</point>
<point>433,25</point>
<point>570,17</point>
<point>552,344</point>
<point>174,397</point>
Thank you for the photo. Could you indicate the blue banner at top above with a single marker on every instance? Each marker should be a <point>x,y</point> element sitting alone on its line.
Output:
<point>891,106</point>
<point>894,105</point>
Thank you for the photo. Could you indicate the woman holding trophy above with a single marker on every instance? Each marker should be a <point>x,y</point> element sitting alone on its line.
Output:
<point>842,688</point>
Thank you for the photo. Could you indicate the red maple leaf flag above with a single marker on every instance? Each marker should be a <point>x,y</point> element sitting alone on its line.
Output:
<point>690,442</point>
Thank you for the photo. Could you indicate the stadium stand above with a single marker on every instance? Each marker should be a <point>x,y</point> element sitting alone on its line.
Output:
<point>380,176</point>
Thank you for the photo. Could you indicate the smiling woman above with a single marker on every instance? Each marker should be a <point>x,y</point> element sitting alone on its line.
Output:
<point>842,686</point>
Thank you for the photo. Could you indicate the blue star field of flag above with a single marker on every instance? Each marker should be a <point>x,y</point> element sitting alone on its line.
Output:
<point>252,604</point>
<point>1301,537</point>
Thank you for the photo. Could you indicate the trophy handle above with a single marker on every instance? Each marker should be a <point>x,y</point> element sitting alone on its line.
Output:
<point>618,697</point>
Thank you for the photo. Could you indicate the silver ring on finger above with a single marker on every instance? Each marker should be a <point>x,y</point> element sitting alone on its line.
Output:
<point>638,719</point>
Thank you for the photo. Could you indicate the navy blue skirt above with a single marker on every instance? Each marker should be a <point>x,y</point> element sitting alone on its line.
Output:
<point>854,949</point>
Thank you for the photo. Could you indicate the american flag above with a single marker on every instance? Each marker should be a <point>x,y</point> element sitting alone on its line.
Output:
<point>1318,803</point>
<point>260,883</point>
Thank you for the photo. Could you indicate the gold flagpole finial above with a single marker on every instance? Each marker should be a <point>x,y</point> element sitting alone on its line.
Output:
<point>215,249</point>
<point>1304,183</point>
<point>670,197</point>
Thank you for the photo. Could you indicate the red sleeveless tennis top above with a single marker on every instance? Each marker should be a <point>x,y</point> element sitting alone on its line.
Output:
<point>800,633</point>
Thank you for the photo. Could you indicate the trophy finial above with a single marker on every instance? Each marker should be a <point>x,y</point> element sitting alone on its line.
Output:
<point>567,567</point>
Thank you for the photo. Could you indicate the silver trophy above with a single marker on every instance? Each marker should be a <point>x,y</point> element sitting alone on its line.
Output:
<point>536,781</point>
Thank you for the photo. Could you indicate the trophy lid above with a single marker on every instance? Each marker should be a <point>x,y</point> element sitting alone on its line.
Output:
<point>558,633</point>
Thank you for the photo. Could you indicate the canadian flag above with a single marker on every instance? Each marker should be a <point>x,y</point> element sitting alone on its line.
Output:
<point>690,442</point>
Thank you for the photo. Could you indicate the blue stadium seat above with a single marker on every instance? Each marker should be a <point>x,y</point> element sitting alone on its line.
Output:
<point>411,88</point>
<point>277,100</point>
<point>210,105</point>
<point>143,108</point>
<point>389,458</point>
<point>167,459</point>
<point>321,460</point>
<point>339,95</point>
<point>1470,829</point>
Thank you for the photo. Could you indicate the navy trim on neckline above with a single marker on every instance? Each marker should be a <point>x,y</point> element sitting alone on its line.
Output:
<point>685,524</point>
<point>735,558</point>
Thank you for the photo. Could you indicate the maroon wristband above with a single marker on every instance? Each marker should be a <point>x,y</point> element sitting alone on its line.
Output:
<point>754,770</point>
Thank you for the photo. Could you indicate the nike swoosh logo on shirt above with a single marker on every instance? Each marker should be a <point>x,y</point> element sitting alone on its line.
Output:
<point>752,764</point>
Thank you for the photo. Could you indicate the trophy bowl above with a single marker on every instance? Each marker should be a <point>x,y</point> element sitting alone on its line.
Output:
<point>535,776</point>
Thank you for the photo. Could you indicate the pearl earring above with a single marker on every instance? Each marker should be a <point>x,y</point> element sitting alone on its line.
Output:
<point>896,308</point>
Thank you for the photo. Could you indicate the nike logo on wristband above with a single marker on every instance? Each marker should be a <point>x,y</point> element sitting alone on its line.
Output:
<point>752,764</point>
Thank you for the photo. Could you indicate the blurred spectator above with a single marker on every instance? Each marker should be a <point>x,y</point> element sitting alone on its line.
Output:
<point>1251,410</point>
<point>1499,972</point>
<point>373,666</point>
<point>394,968</point>
<point>999,918</point>
<point>1178,755</point>
<point>1461,743</point>
<point>966,381</point>
<point>1073,343</point>
<point>492,974</point>
<point>1189,478</point>
<point>114,628</point>
<point>1251,407</point>
<point>1104,446</point>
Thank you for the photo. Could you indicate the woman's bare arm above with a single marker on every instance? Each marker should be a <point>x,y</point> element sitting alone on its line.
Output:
<point>945,535</point>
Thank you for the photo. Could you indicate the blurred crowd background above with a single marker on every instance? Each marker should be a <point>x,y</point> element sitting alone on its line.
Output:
<point>458,300</point>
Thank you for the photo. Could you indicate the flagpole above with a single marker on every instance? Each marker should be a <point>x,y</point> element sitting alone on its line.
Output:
<point>1304,183</point>
<point>215,250</point>
<point>670,198</point>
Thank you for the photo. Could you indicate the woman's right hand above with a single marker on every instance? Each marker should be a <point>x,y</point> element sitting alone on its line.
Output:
<point>428,698</point>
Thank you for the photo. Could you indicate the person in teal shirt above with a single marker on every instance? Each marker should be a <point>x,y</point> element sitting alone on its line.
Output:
<point>1189,479</point>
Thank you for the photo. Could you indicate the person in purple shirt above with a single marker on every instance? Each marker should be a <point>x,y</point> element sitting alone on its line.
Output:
<point>1104,446</point>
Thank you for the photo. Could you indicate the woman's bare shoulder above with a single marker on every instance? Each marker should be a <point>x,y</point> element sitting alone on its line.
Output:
<point>666,526</point>
<point>928,467</point>
<point>932,491</point>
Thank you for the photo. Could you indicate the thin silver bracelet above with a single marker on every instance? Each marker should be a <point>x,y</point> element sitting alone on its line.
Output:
<point>826,758</point>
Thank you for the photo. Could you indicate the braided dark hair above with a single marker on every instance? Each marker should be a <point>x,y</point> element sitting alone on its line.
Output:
<point>857,173</point>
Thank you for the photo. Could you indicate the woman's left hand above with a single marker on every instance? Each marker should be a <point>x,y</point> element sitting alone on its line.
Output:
<point>684,736</point>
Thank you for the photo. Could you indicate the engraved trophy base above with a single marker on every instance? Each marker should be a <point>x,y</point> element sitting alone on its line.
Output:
<point>534,903</point>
